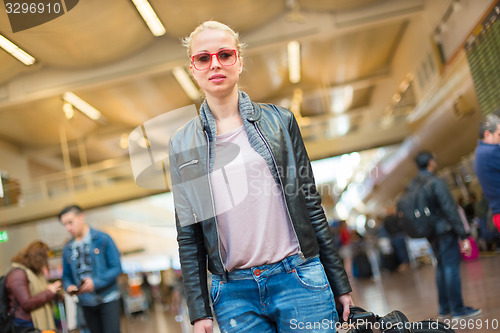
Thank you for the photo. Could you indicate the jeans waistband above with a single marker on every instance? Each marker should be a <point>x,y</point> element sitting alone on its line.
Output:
<point>285,265</point>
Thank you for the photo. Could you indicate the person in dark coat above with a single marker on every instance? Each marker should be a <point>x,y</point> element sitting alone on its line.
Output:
<point>448,239</point>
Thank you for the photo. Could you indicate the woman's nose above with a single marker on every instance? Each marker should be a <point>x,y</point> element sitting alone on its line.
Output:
<point>215,63</point>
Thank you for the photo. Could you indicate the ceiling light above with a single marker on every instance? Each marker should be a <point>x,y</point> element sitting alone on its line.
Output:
<point>186,83</point>
<point>69,112</point>
<point>456,5</point>
<point>293,49</point>
<point>81,105</point>
<point>396,99</point>
<point>149,16</point>
<point>18,53</point>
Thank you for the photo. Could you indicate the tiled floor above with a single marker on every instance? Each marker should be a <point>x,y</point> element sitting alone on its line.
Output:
<point>413,292</point>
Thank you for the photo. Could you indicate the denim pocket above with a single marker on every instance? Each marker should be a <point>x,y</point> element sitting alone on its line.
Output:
<point>215,291</point>
<point>311,275</point>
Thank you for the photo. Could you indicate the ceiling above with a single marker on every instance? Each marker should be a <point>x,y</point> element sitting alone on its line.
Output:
<point>104,53</point>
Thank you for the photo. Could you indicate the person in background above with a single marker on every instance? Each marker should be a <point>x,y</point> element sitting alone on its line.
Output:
<point>251,209</point>
<point>448,239</point>
<point>487,163</point>
<point>28,291</point>
<point>397,236</point>
<point>91,265</point>
<point>345,249</point>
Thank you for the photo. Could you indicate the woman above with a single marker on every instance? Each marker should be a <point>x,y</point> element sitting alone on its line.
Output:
<point>28,291</point>
<point>245,199</point>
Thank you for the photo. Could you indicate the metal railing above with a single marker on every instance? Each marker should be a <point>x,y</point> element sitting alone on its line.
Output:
<point>51,186</point>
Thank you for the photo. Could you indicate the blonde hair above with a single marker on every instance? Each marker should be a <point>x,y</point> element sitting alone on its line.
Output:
<point>214,25</point>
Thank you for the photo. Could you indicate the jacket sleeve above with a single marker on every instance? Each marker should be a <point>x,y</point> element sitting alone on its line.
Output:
<point>67,277</point>
<point>329,256</point>
<point>448,207</point>
<point>19,285</point>
<point>192,252</point>
<point>113,265</point>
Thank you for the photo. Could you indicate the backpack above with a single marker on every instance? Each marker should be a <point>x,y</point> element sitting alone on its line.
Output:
<point>6,318</point>
<point>414,211</point>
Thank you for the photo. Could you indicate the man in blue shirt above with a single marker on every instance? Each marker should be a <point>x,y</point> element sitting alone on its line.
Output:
<point>91,264</point>
<point>487,163</point>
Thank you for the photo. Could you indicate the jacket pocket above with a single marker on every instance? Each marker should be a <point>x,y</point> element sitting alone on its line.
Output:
<point>185,164</point>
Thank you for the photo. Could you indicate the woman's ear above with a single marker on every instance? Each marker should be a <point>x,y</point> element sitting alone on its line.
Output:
<point>191,72</point>
<point>241,66</point>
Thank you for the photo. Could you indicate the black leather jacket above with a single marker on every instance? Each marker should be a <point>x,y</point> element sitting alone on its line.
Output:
<point>197,227</point>
<point>443,205</point>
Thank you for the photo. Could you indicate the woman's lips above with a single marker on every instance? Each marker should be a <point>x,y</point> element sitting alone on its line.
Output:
<point>217,78</point>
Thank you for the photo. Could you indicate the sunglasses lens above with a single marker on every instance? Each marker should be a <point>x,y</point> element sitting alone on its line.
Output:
<point>226,57</point>
<point>201,60</point>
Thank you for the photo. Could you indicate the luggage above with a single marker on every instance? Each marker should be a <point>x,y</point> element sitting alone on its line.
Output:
<point>393,322</point>
<point>474,254</point>
<point>361,266</point>
<point>390,261</point>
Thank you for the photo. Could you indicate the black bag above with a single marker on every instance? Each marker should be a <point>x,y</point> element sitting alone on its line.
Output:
<point>414,210</point>
<point>361,266</point>
<point>6,318</point>
<point>393,322</point>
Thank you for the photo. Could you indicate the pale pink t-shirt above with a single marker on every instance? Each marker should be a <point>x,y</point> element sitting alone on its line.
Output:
<point>253,223</point>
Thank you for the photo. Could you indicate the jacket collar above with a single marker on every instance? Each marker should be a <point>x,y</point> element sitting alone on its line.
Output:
<point>481,142</point>
<point>425,172</point>
<point>248,111</point>
<point>92,232</point>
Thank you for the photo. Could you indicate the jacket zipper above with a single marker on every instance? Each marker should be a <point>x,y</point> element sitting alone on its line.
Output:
<point>213,202</point>
<point>188,163</point>
<point>282,190</point>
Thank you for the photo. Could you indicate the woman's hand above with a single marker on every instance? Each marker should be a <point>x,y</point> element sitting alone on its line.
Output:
<point>54,287</point>
<point>465,247</point>
<point>203,326</point>
<point>346,301</point>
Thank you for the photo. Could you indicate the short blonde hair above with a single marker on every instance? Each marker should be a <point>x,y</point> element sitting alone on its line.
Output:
<point>214,25</point>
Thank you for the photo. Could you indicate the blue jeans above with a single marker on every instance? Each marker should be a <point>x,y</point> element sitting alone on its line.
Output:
<point>399,244</point>
<point>20,325</point>
<point>447,252</point>
<point>289,296</point>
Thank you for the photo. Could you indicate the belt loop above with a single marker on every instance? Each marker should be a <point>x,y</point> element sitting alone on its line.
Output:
<point>286,264</point>
<point>224,276</point>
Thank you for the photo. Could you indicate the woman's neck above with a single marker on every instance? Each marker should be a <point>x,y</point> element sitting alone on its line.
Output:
<point>224,108</point>
<point>226,112</point>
